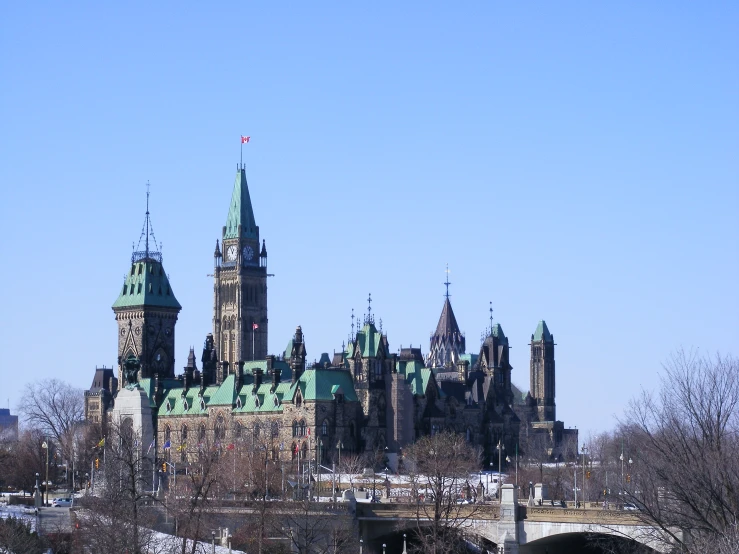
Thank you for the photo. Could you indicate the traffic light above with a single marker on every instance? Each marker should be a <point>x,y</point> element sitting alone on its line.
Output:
<point>97,463</point>
<point>164,467</point>
<point>628,478</point>
<point>587,475</point>
<point>605,492</point>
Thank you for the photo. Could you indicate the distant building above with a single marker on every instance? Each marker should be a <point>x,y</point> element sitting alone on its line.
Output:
<point>8,424</point>
<point>365,398</point>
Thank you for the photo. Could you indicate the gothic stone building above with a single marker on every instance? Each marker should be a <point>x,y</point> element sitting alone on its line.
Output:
<point>365,399</point>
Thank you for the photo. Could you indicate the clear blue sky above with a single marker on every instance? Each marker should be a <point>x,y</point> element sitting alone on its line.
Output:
<point>571,161</point>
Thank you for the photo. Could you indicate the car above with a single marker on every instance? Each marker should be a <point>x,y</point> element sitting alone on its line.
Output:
<point>61,502</point>
<point>628,506</point>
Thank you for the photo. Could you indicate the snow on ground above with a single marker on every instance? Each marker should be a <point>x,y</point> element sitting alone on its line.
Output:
<point>162,543</point>
<point>23,513</point>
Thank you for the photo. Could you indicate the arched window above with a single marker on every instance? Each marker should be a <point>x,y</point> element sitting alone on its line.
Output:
<point>220,428</point>
<point>201,435</point>
<point>238,431</point>
<point>202,404</point>
<point>295,428</point>
<point>256,431</point>
<point>183,434</point>
<point>275,429</point>
<point>302,427</point>
<point>294,450</point>
<point>298,399</point>
<point>304,451</point>
<point>469,434</point>
<point>378,368</point>
<point>167,433</point>
<point>324,427</point>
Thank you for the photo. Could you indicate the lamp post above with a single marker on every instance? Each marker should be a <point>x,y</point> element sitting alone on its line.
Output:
<point>213,539</point>
<point>319,448</point>
<point>360,545</point>
<point>383,548</point>
<point>500,448</point>
<point>490,476</point>
<point>584,451</point>
<point>45,446</point>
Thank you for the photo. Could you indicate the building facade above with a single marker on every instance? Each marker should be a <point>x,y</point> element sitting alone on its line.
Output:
<point>364,399</point>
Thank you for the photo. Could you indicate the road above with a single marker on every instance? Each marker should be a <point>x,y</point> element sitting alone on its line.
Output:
<point>52,520</point>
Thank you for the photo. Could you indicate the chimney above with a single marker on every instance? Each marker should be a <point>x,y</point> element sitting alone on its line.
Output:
<point>258,373</point>
<point>239,379</point>
<point>223,373</point>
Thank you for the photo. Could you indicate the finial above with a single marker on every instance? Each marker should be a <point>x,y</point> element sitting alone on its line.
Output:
<point>491,318</point>
<point>352,324</point>
<point>380,325</point>
<point>447,283</point>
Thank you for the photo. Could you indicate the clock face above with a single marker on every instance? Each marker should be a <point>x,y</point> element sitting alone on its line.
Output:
<point>231,253</point>
<point>248,253</point>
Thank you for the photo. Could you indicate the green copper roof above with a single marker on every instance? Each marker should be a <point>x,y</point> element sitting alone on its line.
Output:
<point>416,375</point>
<point>368,341</point>
<point>498,332</point>
<point>146,284</point>
<point>542,332</point>
<point>240,211</point>
<point>318,384</point>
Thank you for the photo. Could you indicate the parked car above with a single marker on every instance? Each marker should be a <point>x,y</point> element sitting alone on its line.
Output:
<point>61,502</point>
<point>630,507</point>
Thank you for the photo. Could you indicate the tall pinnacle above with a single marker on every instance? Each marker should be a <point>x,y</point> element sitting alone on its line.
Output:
<point>240,211</point>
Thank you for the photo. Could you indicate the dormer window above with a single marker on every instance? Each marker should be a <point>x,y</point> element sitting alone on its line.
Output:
<point>238,403</point>
<point>185,405</point>
<point>276,401</point>
<point>168,407</point>
<point>202,405</point>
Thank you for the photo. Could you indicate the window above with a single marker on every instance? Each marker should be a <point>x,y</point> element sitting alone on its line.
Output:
<point>324,428</point>
<point>302,428</point>
<point>238,403</point>
<point>167,433</point>
<point>220,429</point>
<point>378,369</point>
<point>168,406</point>
<point>202,404</point>
<point>185,405</point>
<point>298,400</point>
<point>295,428</point>
<point>202,433</point>
<point>256,431</point>
<point>275,429</point>
<point>138,291</point>
<point>238,431</point>
<point>294,450</point>
<point>183,433</point>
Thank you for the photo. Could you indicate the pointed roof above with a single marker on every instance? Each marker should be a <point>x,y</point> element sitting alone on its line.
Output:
<point>147,285</point>
<point>542,332</point>
<point>240,211</point>
<point>447,322</point>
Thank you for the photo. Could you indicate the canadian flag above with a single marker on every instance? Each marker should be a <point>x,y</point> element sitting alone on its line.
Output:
<point>244,139</point>
<point>254,326</point>
<point>309,431</point>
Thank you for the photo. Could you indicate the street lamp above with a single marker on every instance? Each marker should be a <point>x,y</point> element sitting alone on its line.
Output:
<point>360,545</point>
<point>213,538</point>
<point>45,446</point>
<point>500,448</point>
<point>584,451</point>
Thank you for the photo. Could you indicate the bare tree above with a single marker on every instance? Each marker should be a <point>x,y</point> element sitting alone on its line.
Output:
<point>118,518</point>
<point>440,466</point>
<point>684,443</point>
<point>316,528</point>
<point>56,408</point>
<point>17,536</point>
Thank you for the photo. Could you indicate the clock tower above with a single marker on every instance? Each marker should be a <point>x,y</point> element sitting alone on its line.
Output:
<point>240,283</point>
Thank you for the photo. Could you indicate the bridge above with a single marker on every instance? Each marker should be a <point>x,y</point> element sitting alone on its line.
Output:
<point>510,528</point>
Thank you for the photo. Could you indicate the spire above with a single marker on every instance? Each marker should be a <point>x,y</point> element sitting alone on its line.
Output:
<point>447,283</point>
<point>542,332</point>
<point>447,322</point>
<point>240,211</point>
<point>147,231</point>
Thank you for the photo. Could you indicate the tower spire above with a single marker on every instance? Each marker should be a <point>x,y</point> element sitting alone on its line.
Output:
<point>146,231</point>
<point>447,283</point>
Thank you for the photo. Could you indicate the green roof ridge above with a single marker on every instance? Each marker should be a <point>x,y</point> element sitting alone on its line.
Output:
<point>240,211</point>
